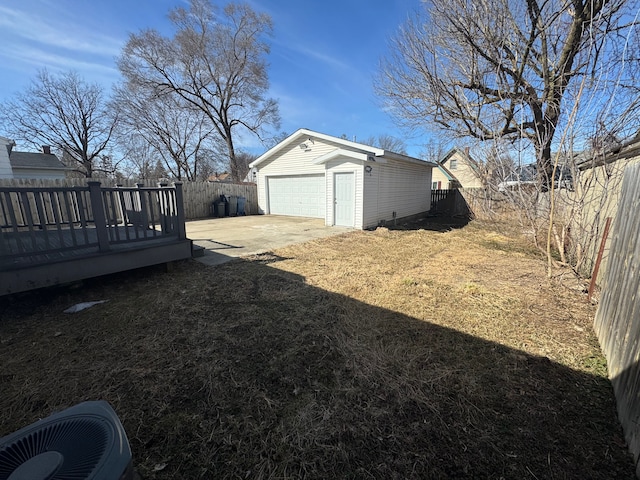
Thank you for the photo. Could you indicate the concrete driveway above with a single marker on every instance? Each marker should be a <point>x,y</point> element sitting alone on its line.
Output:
<point>226,238</point>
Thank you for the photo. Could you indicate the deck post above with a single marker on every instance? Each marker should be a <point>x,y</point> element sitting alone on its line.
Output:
<point>182,230</point>
<point>165,208</point>
<point>144,216</point>
<point>99,217</point>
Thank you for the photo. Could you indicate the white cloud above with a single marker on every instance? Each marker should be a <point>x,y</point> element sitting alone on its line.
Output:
<point>313,54</point>
<point>322,57</point>
<point>41,58</point>
<point>22,26</point>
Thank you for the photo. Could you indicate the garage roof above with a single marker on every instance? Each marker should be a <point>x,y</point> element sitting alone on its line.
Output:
<point>351,149</point>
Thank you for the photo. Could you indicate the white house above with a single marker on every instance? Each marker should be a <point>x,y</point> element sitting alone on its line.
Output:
<point>14,164</point>
<point>311,174</point>
<point>5,164</point>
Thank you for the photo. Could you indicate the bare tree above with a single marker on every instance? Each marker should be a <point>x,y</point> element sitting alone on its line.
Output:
<point>387,142</point>
<point>175,131</point>
<point>434,152</point>
<point>275,139</point>
<point>65,112</point>
<point>138,156</point>
<point>215,62</point>
<point>491,69</point>
<point>244,159</point>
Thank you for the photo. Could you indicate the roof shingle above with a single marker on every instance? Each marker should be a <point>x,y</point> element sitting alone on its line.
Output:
<point>35,160</point>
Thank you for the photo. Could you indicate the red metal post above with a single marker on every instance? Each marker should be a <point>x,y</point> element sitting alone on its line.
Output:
<point>594,276</point>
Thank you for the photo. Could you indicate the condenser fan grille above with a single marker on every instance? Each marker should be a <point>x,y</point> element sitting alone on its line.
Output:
<point>72,445</point>
<point>83,439</point>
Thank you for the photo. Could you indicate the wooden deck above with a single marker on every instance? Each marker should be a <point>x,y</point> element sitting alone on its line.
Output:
<point>52,236</point>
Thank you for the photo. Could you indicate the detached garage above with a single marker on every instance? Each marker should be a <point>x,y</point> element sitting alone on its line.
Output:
<point>310,174</point>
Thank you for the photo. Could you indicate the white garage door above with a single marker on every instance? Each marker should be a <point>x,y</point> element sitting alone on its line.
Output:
<point>297,195</point>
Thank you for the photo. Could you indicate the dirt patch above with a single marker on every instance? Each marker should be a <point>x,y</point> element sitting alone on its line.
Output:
<point>415,353</point>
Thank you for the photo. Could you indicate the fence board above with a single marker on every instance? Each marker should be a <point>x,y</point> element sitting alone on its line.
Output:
<point>198,196</point>
<point>617,321</point>
<point>450,202</point>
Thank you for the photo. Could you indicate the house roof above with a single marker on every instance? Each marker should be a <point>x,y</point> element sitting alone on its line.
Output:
<point>472,163</point>
<point>446,173</point>
<point>41,161</point>
<point>625,150</point>
<point>223,177</point>
<point>358,151</point>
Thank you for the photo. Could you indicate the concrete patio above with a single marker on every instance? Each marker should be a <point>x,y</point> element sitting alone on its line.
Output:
<point>230,237</point>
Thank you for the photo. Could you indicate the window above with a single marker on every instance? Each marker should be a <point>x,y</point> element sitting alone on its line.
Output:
<point>436,185</point>
<point>453,164</point>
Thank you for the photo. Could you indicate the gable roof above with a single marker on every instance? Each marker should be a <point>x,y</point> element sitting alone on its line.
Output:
<point>222,177</point>
<point>42,161</point>
<point>464,154</point>
<point>355,150</point>
<point>449,154</point>
<point>449,176</point>
<point>628,149</point>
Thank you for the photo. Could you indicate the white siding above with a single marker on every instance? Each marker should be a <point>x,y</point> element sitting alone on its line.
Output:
<point>5,165</point>
<point>39,174</point>
<point>403,188</point>
<point>293,161</point>
<point>370,196</point>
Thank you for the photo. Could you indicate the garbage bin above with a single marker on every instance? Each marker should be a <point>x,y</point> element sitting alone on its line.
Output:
<point>241,203</point>
<point>233,205</point>
<point>224,206</point>
<point>219,208</point>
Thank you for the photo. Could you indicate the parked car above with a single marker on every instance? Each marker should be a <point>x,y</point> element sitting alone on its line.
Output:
<point>527,177</point>
<point>524,176</point>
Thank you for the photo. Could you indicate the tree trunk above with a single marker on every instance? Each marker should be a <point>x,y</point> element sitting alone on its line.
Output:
<point>233,164</point>
<point>542,146</point>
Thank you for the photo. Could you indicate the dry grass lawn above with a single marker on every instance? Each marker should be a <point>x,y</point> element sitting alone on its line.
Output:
<point>392,354</point>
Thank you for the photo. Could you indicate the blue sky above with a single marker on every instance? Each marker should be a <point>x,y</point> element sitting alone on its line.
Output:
<point>323,59</point>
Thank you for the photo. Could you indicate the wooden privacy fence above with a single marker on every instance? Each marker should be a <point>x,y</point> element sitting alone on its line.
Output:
<point>438,196</point>
<point>617,321</point>
<point>449,202</point>
<point>198,196</point>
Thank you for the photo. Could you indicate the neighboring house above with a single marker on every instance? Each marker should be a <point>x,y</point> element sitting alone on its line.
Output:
<point>223,178</point>
<point>251,176</point>
<point>443,179</point>
<point>311,174</point>
<point>14,164</point>
<point>456,170</point>
<point>5,164</point>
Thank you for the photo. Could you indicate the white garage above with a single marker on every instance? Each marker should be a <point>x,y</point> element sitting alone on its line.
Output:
<point>311,174</point>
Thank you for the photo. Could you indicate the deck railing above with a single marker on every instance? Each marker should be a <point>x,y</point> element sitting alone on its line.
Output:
<point>49,220</point>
